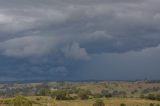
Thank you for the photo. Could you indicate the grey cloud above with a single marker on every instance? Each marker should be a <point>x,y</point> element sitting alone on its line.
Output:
<point>130,65</point>
<point>61,70</point>
<point>28,19</point>
<point>75,52</point>
<point>21,69</point>
<point>99,27</point>
<point>102,26</point>
<point>28,46</point>
<point>39,46</point>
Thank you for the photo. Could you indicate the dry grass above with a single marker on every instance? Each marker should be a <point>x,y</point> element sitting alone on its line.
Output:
<point>108,102</point>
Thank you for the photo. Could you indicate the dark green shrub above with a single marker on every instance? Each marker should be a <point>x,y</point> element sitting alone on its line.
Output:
<point>151,96</point>
<point>122,104</point>
<point>151,104</point>
<point>109,95</point>
<point>38,98</point>
<point>142,96</point>
<point>83,96</point>
<point>99,102</point>
<point>59,95</point>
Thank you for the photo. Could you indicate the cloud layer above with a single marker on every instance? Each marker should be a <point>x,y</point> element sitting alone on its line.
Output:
<point>65,33</point>
<point>121,26</point>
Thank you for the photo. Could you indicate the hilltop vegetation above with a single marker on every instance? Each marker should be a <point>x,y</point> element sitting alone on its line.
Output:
<point>105,88</point>
<point>46,101</point>
<point>113,93</point>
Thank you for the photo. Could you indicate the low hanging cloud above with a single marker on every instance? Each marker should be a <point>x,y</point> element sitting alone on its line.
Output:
<point>28,46</point>
<point>75,52</point>
<point>37,46</point>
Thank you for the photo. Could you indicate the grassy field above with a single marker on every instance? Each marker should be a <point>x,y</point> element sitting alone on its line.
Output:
<point>132,90</point>
<point>46,101</point>
<point>108,102</point>
<point>128,87</point>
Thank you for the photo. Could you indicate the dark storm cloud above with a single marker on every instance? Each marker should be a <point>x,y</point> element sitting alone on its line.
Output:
<point>90,23</point>
<point>63,32</point>
<point>127,66</point>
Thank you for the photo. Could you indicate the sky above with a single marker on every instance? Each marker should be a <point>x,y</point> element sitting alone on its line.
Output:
<point>79,39</point>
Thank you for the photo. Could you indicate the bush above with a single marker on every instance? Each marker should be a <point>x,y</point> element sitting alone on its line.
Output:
<point>99,102</point>
<point>122,104</point>
<point>142,96</point>
<point>59,95</point>
<point>21,101</point>
<point>104,92</point>
<point>153,97</point>
<point>39,98</point>
<point>108,95</point>
<point>151,104</point>
<point>119,93</point>
<point>97,95</point>
<point>158,97</point>
<point>83,96</point>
